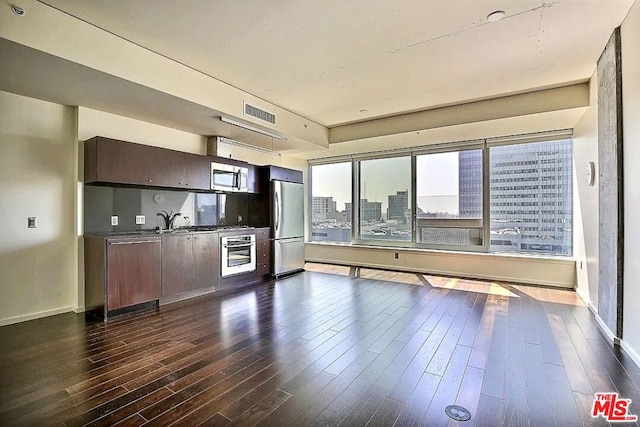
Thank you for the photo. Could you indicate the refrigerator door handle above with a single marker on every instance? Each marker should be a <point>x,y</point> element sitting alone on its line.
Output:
<point>277,211</point>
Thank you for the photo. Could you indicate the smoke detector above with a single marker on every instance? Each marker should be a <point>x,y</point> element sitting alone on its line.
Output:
<point>17,10</point>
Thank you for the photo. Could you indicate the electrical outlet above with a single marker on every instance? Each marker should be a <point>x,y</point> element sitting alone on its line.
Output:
<point>32,222</point>
<point>139,219</point>
<point>114,219</point>
<point>396,256</point>
<point>239,218</point>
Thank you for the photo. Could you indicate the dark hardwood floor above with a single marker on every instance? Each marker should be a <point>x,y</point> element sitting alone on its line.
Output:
<point>379,349</point>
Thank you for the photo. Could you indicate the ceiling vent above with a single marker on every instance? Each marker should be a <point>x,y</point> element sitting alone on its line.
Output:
<point>258,113</point>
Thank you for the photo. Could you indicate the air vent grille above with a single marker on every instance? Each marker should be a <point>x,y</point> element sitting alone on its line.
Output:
<point>258,113</point>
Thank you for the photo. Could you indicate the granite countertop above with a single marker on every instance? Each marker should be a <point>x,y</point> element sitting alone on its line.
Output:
<point>181,230</point>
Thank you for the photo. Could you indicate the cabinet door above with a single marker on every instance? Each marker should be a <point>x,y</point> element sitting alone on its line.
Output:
<point>263,251</point>
<point>123,162</point>
<point>206,261</point>
<point>197,172</point>
<point>133,272</point>
<point>177,264</point>
<point>285,174</point>
<point>168,168</point>
<point>263,255</point>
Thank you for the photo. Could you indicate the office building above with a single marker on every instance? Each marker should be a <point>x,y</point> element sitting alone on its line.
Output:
<point>530,195</point>
<point>398,206</point>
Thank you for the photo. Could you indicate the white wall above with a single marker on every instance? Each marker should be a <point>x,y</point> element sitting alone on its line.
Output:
<point>38,172</point>
<point>585,201</point>
<point>631,154</point>
<point>98,123</point>
<point>528,269</point>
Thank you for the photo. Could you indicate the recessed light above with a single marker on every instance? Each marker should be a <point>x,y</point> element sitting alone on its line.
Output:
<point>496,16</point>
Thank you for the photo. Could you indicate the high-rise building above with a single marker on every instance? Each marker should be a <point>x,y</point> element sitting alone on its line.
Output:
<point>321,206</point>
<point>530,195</point>
<point>369,211</point>
<point>398,206</point>
<point>470,184</point>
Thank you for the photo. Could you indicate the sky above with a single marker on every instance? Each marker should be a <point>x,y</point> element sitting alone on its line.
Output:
<point>437,181</point>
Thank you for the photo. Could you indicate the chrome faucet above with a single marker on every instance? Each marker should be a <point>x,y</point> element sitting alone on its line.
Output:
<point>169,218</point>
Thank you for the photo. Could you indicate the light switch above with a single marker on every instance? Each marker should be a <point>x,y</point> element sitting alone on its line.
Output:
<point>32,222</point>
<point>139,219</point>
<point>114,219</point>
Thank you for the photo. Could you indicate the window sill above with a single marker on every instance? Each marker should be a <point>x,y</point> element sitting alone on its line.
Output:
<point>443,252</point>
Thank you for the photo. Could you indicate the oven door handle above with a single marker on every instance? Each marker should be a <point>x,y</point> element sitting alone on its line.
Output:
<point>239,246</point>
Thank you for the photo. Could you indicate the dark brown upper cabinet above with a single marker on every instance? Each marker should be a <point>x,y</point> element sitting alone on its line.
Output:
<point>269,173</point>
<point>119,162</point>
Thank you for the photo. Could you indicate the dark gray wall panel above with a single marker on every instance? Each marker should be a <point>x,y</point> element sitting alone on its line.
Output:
<point>610,192</point>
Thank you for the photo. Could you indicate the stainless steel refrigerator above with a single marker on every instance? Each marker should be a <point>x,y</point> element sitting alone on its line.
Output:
<point>288,227</point>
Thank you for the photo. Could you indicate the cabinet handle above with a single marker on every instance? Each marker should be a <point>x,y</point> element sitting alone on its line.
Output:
<point>150,181</point>
<point>134,242</point>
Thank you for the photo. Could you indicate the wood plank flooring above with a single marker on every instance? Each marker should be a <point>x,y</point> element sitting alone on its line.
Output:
<point>360,347</point>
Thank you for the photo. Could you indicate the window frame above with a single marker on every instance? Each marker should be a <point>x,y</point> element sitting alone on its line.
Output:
<point>482,225</point>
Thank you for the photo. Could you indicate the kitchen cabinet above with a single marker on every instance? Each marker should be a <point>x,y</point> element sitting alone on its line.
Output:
<point>206,258</point>
<point>118,162</point>
<point>263,252</point>
<point>177,264</point>
<point>181,170</point>
<point>113,161</point>
<point>268,173</point>
<point>190,261</point>
<point>121,272</point>
<point>133,271</point>
<point>197,171</point>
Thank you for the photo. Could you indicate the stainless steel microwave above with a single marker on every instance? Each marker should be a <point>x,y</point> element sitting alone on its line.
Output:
<point>229,178</point>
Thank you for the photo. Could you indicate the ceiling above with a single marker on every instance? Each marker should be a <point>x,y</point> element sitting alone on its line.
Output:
<point>337,62</point>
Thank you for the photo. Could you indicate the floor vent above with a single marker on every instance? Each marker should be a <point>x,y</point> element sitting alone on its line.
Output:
<point>258,113</point>
<point>458,413</point>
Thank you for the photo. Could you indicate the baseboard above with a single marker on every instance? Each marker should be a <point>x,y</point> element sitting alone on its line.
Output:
<point>605,329</point>
<point>80,309</point>
<point>630,352</point>
<point>585,298</point>
<point>32,316</point>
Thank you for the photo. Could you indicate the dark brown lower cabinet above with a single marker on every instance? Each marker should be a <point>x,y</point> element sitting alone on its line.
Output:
<point>121,272</point>
<point>133,272</point>
<point>177,264</point>
<point>189,262</point>
<point>263,252</point>
<point>206,260</point>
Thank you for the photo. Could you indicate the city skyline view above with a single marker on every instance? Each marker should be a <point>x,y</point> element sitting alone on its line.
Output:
<point>530,199</point>
<point>437,190</point>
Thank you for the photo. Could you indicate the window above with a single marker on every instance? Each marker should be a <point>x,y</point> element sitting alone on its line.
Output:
<point>331,202</point>
<point>449,198</point>
<point>385,189</point>
<point>539,208</point>
<point>511,194</point>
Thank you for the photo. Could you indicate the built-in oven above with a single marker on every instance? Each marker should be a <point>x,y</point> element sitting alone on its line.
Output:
<point>229,177</point>
<point>237,254</point>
